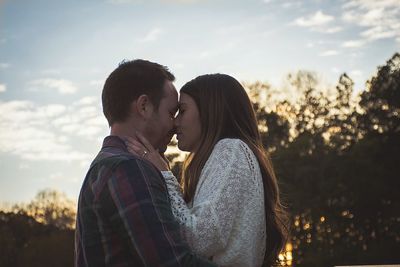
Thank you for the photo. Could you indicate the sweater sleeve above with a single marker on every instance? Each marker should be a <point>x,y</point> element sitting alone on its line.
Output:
<point>224,185</point>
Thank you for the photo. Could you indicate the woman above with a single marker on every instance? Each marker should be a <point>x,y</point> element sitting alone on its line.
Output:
<point>228,202</point>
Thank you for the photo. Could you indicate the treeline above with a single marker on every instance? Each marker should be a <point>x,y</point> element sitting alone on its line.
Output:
<point>336,156</point>
<point>38,233</point>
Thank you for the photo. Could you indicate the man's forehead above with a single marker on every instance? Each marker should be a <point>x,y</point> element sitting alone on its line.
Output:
<point>169,88</point>
<point>170,94</point>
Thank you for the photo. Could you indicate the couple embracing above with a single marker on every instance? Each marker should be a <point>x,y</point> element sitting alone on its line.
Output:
<point>132,211</point>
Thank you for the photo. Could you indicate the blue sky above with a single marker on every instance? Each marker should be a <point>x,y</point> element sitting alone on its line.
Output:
<point>55,56</point>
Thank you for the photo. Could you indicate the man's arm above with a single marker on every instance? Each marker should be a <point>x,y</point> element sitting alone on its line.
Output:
<point>141,200</point>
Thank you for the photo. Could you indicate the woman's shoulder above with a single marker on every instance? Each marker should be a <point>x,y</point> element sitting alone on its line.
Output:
<point>232,144</point>
<point>236,149</point>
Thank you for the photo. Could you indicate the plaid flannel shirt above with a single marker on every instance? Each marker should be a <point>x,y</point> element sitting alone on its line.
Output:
<point>124,216</point>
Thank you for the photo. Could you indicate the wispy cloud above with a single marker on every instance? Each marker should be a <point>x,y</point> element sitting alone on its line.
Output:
<point>292,4</point>
<point>4,65</point>
<point>319,22</point>
<point>317,19</point>
<point>152,35</point>
<point>97,82</point>
<point>354,43</point>
<point>380,18</point>
<point>3,88</point>
<point>61,85</point>
<point>333,29</point>
<point>329,53</point>
<point>51,132</point>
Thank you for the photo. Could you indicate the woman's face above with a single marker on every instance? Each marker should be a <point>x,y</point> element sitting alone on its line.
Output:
<point>188,127</point>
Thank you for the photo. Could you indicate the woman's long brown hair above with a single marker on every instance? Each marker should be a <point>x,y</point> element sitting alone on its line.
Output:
<point>226,112</point>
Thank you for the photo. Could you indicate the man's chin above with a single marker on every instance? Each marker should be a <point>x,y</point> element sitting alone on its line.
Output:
<point>163,147</point>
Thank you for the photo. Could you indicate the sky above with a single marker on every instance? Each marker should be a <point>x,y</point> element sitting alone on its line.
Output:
<point>55,56</point>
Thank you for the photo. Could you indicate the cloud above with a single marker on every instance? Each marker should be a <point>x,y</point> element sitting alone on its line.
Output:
<point>61,85</point>
<point>292,4</point>
<point>87,100</point>
<point>319,22</point>
<point>33,141</point>
<point>317,19</point>
<point>333,29</point>
<point>381,19</point>
<point>329,53</point>
<point>4,65</point>
<point>3,88</point>
<point>97,82</point>
<point>354,43</point>
<point>152,35</point>
<point>51,132</point>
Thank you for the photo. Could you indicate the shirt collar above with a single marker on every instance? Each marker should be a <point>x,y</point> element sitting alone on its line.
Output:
<point>114,141</point>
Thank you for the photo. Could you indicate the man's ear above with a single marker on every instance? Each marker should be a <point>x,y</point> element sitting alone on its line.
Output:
<point>143,106</point>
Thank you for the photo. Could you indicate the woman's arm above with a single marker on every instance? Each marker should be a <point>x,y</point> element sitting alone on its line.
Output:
<point>225,184</point>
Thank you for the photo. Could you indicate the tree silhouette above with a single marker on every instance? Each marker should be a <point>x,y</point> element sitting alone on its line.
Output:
<point>54,208</point>
<point>381,100</point>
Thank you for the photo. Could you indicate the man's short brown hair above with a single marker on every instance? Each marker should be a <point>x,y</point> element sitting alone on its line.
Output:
<point>130,80</point>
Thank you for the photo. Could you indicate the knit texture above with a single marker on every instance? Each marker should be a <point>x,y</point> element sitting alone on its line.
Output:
<point>225,222</point>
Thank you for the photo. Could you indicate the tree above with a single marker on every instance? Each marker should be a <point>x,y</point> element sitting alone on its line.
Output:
<point>53,208</point>
<point>343,130</point>
<point>381,100</point>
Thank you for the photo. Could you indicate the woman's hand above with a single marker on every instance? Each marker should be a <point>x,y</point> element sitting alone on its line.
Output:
<point>144,149</point>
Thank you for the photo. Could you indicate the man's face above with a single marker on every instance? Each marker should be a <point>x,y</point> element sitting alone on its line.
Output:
<point>161,125</point>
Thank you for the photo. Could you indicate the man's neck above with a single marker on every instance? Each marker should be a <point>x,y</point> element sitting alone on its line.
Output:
<point>123,130</point>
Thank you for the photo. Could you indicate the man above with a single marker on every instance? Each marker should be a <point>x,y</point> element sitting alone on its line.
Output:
<point>124,217</point>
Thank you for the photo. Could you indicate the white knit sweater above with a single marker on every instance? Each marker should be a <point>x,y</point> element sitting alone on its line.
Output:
<point>225,222</point>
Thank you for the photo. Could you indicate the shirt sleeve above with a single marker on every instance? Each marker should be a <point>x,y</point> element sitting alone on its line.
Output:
<point>208,224</point>
<point>141,202</point>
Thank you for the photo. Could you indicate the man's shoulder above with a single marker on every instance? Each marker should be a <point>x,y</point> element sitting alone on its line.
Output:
<point>125,161</point>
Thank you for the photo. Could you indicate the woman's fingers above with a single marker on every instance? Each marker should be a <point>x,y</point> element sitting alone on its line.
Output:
<point>130,140</point>
<point>134,149</point>
<point>145,150</point>
<point>145,142</point>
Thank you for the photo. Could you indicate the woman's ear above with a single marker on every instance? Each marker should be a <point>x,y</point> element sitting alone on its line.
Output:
<point>143,106</point>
